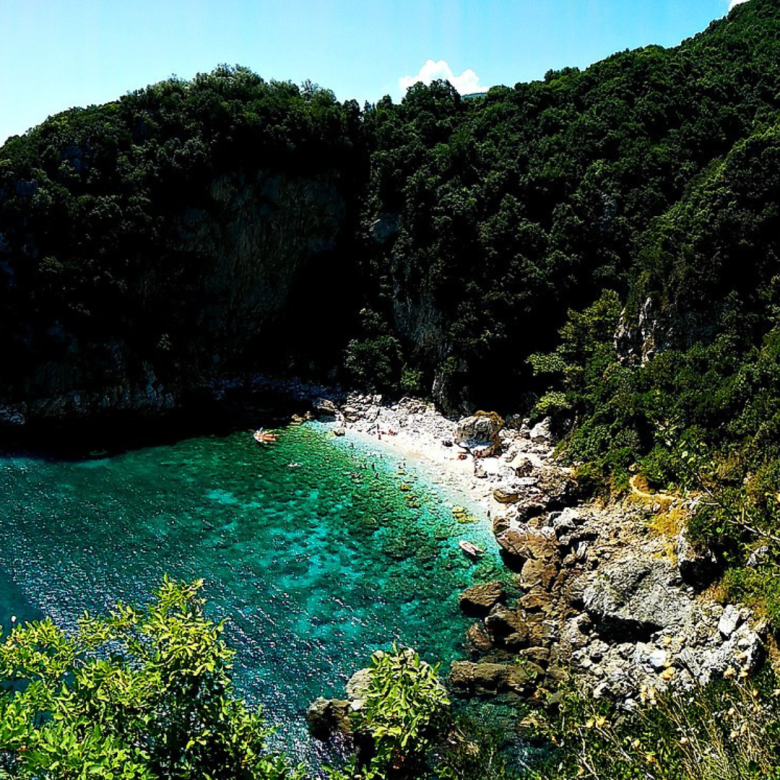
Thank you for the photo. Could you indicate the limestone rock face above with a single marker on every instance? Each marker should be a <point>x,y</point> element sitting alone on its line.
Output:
<point>480,599</point>
<point>635,597</point>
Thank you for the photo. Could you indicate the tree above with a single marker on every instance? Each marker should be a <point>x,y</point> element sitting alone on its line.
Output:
<point>139,695</point>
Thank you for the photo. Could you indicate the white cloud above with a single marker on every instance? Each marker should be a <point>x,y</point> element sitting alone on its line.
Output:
<point>466,83</point>
<point>736,2</point>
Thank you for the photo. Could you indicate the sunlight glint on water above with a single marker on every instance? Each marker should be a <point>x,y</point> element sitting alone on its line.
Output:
<point>310,547</point>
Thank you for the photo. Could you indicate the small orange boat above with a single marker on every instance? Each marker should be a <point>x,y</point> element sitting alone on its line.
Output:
<point>264,437</point>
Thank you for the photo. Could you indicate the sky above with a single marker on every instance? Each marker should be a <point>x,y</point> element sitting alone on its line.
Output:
<point>56,54</point>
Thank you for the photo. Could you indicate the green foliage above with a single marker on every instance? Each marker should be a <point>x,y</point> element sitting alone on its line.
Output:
<point>137,695</point>
<point>729,730</point>
<point>406,728</point>
<point>406,710</point>
<point>756,586</point>
<point>376,364</point>
<point>471,227</point>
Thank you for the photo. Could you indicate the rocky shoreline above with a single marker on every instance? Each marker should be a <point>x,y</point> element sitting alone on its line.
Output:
<point>604,599</point>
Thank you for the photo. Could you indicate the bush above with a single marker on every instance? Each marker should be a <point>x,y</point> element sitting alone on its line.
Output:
<point>729,730</point>
<point>135,696</point>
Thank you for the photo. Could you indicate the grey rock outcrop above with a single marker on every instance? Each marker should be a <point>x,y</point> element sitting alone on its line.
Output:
<point>635,597</point>
<point>542,431</point>
<point>480,433</point>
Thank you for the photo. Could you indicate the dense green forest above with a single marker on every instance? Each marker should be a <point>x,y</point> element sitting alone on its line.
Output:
<point>452,236</point>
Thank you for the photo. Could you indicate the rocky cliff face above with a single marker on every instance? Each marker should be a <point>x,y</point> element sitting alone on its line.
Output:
<point>221,290</point>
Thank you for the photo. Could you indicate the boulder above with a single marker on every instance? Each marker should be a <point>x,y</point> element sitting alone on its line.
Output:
<point>522,464</point>
<point>523,678</point>
<point>530,509</point>
<point>541,432</point>
<point>504,497</point>
<point>538,601</point>
<point>480,432</point>
<point>478,639</point>
<point>480,599</point>
<point>515,422</point>
<point>524,543</point>
<point>500,524</point>
<point>729,621</point>
<point>565,521</point>
<point>324,407</point>
<point>537,573</point>
<point>358,687</point>
<point>508,625</point>
<point>635,597</point>
<point>327,717</point>
<point>489,678</point>
<point>478,678</point>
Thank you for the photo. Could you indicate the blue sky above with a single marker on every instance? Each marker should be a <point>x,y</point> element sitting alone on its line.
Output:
<point>56,54</point>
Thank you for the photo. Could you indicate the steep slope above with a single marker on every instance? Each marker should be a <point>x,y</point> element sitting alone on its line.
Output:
<point>151,244</point>
<point>197,228</point>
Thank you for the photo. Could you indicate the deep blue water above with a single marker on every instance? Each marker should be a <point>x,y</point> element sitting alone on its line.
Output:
<point>317,549</point>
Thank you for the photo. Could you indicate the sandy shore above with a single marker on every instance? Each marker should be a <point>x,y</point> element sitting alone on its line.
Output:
<point>416,431</point>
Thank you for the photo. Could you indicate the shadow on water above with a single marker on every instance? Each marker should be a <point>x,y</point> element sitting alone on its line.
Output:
<point>112,434</point>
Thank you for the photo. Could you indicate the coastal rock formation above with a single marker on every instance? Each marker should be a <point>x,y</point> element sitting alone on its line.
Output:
<point>479,433</point>
<point>479,599</point>
<point>326,717</point>
<point>600,598</point>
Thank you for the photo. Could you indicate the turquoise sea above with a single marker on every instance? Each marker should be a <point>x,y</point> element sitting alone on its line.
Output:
<point>317,549</point>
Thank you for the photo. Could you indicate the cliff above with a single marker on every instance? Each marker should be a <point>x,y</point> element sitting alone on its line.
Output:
<point>134,276</point>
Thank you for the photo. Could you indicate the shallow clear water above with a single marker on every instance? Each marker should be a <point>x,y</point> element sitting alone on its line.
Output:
<point>318,550</point>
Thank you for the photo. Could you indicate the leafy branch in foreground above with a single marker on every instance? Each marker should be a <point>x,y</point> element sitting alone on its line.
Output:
<point>140,695</point>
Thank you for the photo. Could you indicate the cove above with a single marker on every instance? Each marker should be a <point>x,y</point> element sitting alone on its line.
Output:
<point>317,550</point>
